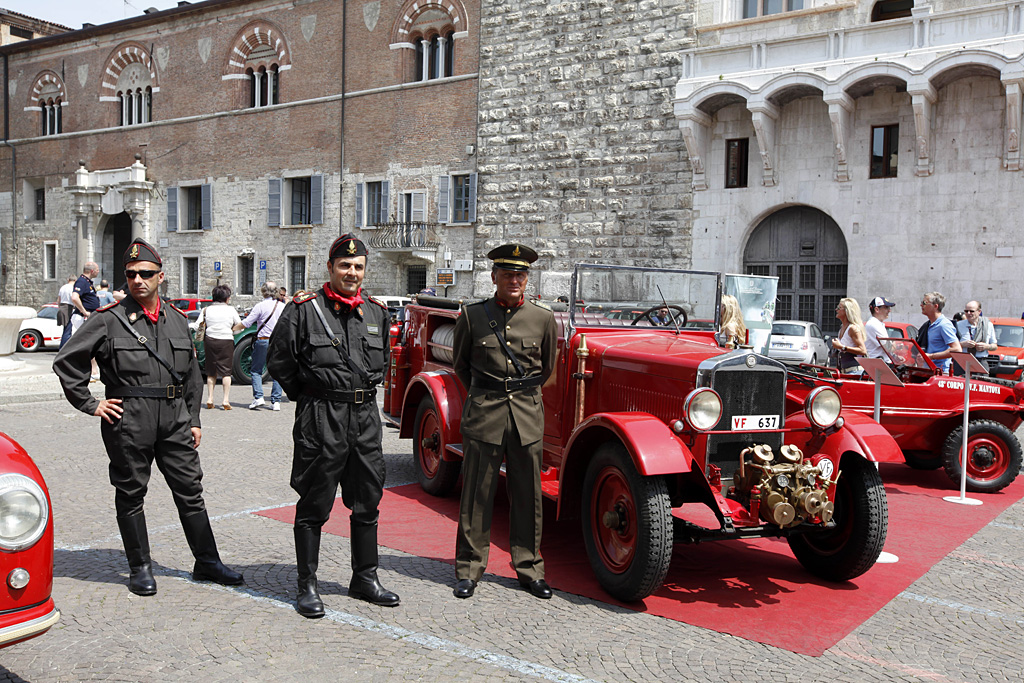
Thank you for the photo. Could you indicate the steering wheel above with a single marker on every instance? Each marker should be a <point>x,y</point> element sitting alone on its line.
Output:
<point>652,309</point>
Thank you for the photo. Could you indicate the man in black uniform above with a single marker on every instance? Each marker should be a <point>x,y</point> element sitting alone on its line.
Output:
<point>329,351</point>
<point>151,412</point>
<point>503,351</point>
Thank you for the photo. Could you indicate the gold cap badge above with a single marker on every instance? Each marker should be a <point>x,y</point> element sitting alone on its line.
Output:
<point>351,247</point>
<point>516,252</point>
<point>135,251</point>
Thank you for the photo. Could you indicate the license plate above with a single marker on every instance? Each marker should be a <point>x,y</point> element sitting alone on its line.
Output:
<point>781,345</point>
<point>754,423</point>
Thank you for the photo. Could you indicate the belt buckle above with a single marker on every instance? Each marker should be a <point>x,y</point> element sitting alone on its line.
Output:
<point>359,395</point>
<point>335,342</point>
<point>170,391</point>
<point>508,389</point>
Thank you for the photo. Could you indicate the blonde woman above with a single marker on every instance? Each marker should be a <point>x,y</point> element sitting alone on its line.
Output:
<point>852,340</point>
<point>732,322</point>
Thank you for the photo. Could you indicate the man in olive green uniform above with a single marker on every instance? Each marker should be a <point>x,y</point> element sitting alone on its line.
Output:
<point>150,413</point>
<point>329,351</point>
<point>504,350</point>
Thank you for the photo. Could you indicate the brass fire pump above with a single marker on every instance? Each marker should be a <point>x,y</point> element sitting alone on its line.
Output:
<point>785,492</point>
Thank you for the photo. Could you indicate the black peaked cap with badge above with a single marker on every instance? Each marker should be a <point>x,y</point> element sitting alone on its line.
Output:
<point>512,256</point>
<point>347,245</point>
<point>141,250</point>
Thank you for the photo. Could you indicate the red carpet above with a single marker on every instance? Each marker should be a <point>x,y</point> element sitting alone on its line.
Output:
<point>750,589</point>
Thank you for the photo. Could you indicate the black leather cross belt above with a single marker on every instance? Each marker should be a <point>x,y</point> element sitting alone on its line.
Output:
<point>165,391</point>
<point>343,395</point>
<point>508,384</point>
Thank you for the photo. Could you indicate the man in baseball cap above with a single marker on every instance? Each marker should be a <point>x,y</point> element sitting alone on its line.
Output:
<point>875,326</point>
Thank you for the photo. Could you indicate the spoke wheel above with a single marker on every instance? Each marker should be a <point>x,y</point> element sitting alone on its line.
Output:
<point>437,476</point>
<point>993,456</point>
<point>29,340</point>
<point>627,525</point>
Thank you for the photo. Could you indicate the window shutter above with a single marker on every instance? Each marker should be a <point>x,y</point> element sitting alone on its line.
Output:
<point>384,186</point>
<point>274,203</point>
<point>172,209</point>
<point>206,210</point>
<point>401,208</point>
<point>472,197</point>
<point>316,200</point>
<point>443,183</point>
<point>359,205</point>
<point>419,199</point>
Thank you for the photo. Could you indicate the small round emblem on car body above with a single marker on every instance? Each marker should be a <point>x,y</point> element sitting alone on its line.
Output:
<point>751,360</point>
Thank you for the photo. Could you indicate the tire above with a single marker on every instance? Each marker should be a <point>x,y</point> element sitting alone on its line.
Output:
<point>29,340</point>
<point>994,456</point>
<point>437,476</point>
<point>861,519</point>
<point>632,559</point>
<point>814,359</point>
<point>922,460</point>
<point>241,362</point>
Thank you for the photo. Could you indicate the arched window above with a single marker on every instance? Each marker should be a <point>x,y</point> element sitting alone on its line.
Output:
<point>258,56</point>
<point>130,73</point>
<point>425,33</point>
<point>48,98</point>
<point>891,9</point>
<point>449,54</point>
<point>435,57</point>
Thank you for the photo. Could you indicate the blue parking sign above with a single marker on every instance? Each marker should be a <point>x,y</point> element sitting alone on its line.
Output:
<point>216,266</point>
<point>263,265</point>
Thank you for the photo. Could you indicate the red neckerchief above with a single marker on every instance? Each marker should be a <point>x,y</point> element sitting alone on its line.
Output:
<point>155,315</point>
<point>517,304</point>
<point>350,301</point>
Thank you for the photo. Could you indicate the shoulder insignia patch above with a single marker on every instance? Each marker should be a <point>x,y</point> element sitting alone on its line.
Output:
<point>304,297</point>
<point>540,304</point>
<point>377,301</point>
<point>108,306</point>
<point>175,308</point>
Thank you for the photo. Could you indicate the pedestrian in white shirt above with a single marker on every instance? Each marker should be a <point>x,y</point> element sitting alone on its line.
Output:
<point>977,334</point>
<point>218,320</point>
<point>264,315</point>
<point>875,328</point>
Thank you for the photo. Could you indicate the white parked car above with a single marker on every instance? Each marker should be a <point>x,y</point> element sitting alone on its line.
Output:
<point>41,331</point>
<point>796,341</point>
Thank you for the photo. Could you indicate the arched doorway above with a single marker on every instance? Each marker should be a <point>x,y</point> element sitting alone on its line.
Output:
<point>116,236</point>
<point>806,250</point>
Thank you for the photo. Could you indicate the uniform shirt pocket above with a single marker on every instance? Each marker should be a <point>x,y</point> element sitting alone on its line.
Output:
<point>374,347</point>
<point>532,349</point>
<point>183,352</point>
<point>129,357</point>
<point>323,353</point>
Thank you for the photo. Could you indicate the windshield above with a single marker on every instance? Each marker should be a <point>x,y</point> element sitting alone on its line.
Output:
<point>47,312</point>
<point>905,352</point>
<point>788,329</point>
<point>638,295</point>
<point>1010,335</point>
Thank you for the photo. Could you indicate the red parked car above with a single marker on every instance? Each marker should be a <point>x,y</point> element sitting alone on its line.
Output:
<point>26,546</point>
<point>926,415</point>
<point>1010,354</point>
<point>640,420</point>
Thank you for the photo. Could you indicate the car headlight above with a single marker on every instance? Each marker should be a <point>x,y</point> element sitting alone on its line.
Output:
<point>703,409</point>
<point>823,406</point>
<point>23,512</point>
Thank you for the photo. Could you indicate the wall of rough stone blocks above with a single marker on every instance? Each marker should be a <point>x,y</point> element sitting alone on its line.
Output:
<point>580,154</point>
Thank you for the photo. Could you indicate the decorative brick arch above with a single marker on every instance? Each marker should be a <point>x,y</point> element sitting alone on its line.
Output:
<point>412,9</point>
<point>259,35</point>
<point>121,58</point>
<point>44,88</point>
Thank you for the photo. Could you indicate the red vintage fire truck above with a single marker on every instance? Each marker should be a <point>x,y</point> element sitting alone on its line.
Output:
<point>644,423</point>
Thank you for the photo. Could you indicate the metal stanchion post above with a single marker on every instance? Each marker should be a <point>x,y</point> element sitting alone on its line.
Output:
<point>969,364</point>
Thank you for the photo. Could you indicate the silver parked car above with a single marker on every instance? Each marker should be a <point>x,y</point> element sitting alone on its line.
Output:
<point>797,341</point>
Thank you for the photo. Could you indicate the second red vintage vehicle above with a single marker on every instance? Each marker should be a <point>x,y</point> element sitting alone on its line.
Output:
<point>26,547</point>
<point>644,424</point>
<point>925,416</point>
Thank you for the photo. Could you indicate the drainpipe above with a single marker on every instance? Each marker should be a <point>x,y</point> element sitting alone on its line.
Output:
<point>13,247</point>
<point>341,170</point>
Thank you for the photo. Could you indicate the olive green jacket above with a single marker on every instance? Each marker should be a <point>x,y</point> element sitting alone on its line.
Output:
<point>530,333</point>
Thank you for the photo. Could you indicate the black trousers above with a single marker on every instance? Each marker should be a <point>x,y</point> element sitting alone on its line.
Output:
<point>153,429</point>
<point>336,444</point>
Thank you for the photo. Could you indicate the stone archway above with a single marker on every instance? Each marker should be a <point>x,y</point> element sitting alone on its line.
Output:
<point>113,239</point>
<point>806,250</point>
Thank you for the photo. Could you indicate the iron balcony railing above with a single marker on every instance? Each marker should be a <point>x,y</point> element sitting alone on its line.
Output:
<point>400,236</point>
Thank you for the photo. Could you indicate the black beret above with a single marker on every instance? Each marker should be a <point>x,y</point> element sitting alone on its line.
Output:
<point>512,256</point>
<point>141,250</point>
<point>347,245</point>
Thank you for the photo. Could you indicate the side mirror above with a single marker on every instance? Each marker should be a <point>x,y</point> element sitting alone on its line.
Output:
<point>828,338</point>
<point>721,338</point>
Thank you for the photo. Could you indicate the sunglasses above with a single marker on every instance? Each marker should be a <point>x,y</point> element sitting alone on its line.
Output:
<point>144,274</point>
<point>970,310</point>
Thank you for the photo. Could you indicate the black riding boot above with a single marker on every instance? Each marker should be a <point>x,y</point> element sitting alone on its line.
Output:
<point>364,584</point>
<point>307,559</point>
<point>136,549</point>
<point>208,566</point>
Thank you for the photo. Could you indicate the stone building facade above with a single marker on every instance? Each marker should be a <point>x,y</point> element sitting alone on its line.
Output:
<point>862,148</point>
<point>241,137</point>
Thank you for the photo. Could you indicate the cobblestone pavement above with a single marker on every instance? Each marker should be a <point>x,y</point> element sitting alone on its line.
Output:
<point>962,621</point>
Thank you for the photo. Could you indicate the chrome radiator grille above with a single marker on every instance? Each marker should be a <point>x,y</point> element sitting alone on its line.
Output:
<point>760,390</point>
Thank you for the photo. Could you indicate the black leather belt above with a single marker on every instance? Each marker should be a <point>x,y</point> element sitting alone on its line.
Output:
<point>166,391</point>
<point>342,395</point>
<point>508,384</point>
